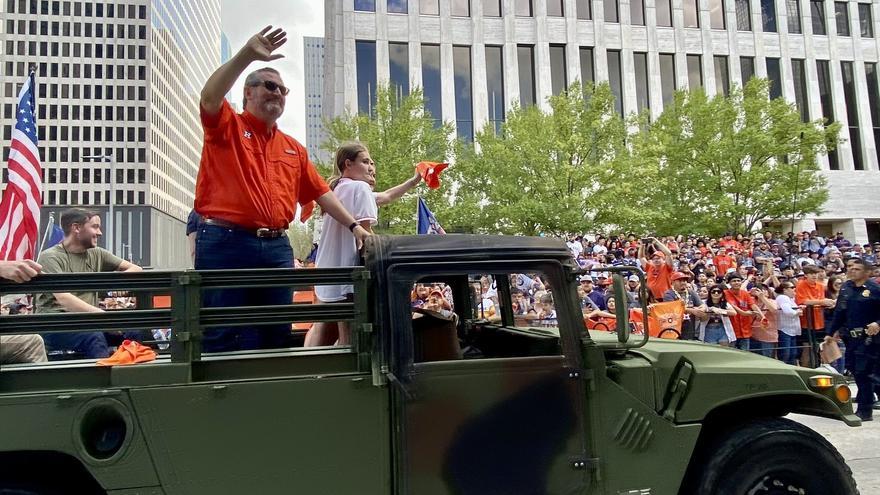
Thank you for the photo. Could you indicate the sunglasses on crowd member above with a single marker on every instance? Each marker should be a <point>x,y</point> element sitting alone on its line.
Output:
<point>271,86</point>
<point>716,291</point>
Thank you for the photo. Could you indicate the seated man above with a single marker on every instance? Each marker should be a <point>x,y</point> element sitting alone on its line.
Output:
<point>78,253</point>
<point>20,348</point>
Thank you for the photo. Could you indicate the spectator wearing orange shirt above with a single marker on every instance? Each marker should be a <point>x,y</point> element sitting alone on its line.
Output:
<point>659,269</point>
<point>810,292</point>
<point>746,310</point>
<point>724,261</point>
<point>729,242</point>
<point>251,178</point>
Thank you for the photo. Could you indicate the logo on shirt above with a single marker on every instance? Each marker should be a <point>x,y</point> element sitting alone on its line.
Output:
<point>247,134</point>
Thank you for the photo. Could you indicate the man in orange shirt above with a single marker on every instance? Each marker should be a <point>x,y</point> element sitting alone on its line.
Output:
<point>724,261</point>
<point>251,178</point>
<point>810,291</point>
<point>746,310</point>
<point>659,269</point>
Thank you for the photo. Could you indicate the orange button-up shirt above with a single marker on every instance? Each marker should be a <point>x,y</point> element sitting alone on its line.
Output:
<point>250,175</point>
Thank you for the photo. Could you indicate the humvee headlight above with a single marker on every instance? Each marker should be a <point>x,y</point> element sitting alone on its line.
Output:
<point>843,393</point>
<point>821,382</point>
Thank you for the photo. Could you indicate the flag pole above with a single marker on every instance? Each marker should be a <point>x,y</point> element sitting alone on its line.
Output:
<point>49,226</point>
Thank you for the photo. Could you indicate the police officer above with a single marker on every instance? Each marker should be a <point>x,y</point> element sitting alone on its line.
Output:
<point>857,318</point>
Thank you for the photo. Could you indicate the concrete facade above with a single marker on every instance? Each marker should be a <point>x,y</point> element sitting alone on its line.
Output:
<point>853,207</point>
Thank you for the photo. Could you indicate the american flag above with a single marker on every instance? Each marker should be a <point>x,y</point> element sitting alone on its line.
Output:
<point>20,206</point>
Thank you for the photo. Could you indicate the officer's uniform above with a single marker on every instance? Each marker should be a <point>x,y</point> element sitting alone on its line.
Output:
<point>856,308</point>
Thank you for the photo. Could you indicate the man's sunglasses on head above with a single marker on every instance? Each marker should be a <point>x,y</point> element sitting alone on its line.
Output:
<point>271,86</point>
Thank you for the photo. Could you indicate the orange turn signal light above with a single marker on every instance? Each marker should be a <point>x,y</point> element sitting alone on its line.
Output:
<point>821,381</point>
<point>843,393</point>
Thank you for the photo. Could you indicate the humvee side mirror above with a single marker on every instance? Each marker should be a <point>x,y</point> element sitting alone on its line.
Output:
<point>621,308</point>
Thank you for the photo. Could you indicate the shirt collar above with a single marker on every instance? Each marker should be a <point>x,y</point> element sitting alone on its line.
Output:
<point>258,125</point>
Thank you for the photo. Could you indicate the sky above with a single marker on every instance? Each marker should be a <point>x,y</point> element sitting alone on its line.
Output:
<point>241,20</point>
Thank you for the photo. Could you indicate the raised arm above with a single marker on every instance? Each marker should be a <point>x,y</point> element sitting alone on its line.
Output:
<point>394,193</point>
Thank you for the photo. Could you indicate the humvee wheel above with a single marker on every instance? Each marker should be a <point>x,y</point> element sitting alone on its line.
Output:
<point>772,457</point>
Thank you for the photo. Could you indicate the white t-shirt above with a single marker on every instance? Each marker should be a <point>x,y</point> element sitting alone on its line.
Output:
<point>338,246</point>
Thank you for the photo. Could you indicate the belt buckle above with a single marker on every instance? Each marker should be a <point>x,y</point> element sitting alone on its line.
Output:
<point>263,232</point>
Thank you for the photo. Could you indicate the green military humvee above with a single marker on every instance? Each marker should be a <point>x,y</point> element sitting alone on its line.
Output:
<point>474,401</point>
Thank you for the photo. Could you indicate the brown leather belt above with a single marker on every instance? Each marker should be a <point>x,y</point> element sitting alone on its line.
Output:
<point>262,232</point>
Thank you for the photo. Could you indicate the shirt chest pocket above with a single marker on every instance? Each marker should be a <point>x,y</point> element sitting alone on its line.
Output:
<point>285,170</point>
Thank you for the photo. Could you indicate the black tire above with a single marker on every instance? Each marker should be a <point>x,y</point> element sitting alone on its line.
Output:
<point>770,457</point>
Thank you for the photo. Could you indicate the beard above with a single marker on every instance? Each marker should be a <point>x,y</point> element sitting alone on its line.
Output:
<point>273,108</point>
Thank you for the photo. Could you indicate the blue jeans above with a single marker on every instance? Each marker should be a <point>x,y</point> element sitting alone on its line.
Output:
<point>788,348</point>
<point>762,348</point>
<point>742,344</point>
<point>87,345</point>
<point>224,248</point>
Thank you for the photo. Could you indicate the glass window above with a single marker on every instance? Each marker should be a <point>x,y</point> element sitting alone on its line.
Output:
<point>852,114</point>
<point>716,14</point>
<point>637,12</point>
<point>362,5</point>
<point>523,8</point>
<point>722,77</point>
<point>495,85</point>
<point>695,72</point>
<point>429,7</point>
<point>824,73</point>
<point>799,76</point>
<point>866,20</point>
<point>614,79</point>
<point>768,15</point>
<point>794,16</point>
<point>611,14</point>
<point>431,81</point>
<point>464,110</point>
<point>492,8</point>
<point>398,65</point>
<point>774,74</point>
<point>587,73</point>
<point>743,15</point>
<point>667,77</point>
<point>841,18</point>
<point>874,102</point>
<point>691,14</point>
<point>583,9</point>
<point>817,12</point>
<point>747,68</point>
<point>558,74</point>
<point>640,61</point>
<point>397,6</point>
<point>554,8</point>
<point>526,65</point>
<point>460,8</point>
<point>365,58</point>
<point>664,12</point>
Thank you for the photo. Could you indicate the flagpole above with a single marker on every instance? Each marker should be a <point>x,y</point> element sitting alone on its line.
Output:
<point>49,226</point>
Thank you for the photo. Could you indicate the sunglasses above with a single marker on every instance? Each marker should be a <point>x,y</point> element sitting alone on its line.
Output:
<point>715,292</point>
<point>271,86</point>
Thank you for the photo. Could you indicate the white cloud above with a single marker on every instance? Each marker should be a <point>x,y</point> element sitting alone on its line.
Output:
<point>241,20</point>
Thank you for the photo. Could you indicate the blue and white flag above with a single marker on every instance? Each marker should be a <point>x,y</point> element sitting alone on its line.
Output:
<point>427,224</point>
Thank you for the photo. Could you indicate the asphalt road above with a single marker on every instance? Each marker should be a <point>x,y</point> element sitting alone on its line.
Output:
<point>859,446</point>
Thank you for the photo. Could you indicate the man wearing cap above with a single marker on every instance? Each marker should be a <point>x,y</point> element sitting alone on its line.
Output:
<point>596,299</point>
<point>633,292</point>
<point>693,306</point>
<point>746,310</point>
<point>659,268</point>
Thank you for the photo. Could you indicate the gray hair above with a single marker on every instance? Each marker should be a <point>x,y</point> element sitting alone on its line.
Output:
<point>254,79</point>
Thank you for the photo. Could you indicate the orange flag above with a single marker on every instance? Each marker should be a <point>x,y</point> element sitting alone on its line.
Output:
<point>430,172</point>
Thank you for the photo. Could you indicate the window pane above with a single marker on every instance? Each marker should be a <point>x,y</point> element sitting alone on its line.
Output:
<point>583,9</point>
<point>667,77</point>
<point>691,14</point>
<point>824,73</point>
<point>747,68</point>
<point>398,58</point>
<point>664,12</point>
<point>794,16</point>
<point>431,81</point>
<point>768,15</point>
<point>363,5</point>
<point>852,114</point>
<point>799,76</point>
<point>429,7</point>
<point>524,8</point>
<point>365,58</point>
<point>722,79</point>
<point>716,14</point>
<point>640,61</point>
<point>695,72</point>
<point>743,15</point>
<point>464,112</point>
<point>611,11</point>
<point>874,103</point>
<point>492,8</point>
<point>554,8</point>
<point>557,69</point>
<point>614,79</point>
<point>817,13</point>
<point>841,18</point>
<point>866,20</point>
<point>587,73</point>
<point>774,74</point>
<point>397,6</point>
<point>526,64</point>
<point>637,12</point>
<point>460,8</point>
<point>495,85</point>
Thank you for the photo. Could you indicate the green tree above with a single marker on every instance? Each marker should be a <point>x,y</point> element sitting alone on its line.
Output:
<point>544,171</point>
<point>726,163</point>
<point>399,134</point>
